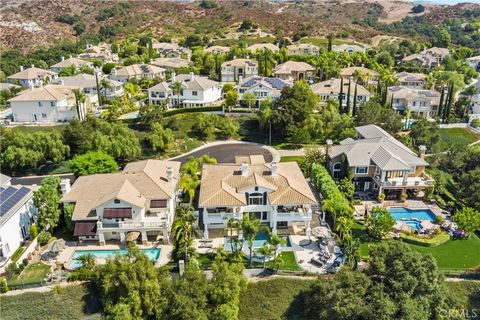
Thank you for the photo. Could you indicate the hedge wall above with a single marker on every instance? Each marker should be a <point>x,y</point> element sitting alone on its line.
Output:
<point>324,183</point>
<point>172,112</point>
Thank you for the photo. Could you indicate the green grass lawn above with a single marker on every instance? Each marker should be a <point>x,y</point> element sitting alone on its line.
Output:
<point>457,136</point>
<point>272,299</point>
<point>289,262</point>
<point>32,129</point>
<point>32,273</point>
<point>292,158</point>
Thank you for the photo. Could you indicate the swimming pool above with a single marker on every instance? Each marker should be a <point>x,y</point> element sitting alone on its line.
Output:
<point>399,213</point>
<point>152,254</point>
<point>417,225</point>
<point>259,241</point>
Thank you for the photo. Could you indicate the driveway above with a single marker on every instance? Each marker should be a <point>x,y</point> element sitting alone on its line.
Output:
<point>225,152</point>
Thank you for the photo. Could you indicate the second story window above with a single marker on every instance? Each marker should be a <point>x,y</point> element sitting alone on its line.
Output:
<point>361,170</point>
<point>255,199</point>
<point>40,104</point>
<point>116,201</point>
<point>194,93</point>
<point>159,203</point>
<point>52,104</point>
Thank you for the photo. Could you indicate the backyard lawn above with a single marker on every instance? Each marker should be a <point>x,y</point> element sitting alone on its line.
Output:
<point>32,273</point>
<point>289,263</point>
<point>292,158</point>
<point>456,136</point>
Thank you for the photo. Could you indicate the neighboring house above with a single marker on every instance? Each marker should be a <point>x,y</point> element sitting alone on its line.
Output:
<point>474,62</point>
<point>171,63</point>
<point>46,104</point>
<point>8,86</point>
<point>197,91</point>
<point>66,63</point>
<point>137,71</point>
<point>371,75</point>
<point>261,87</point>
<point>88,83</point>
<point>260,46</point>
<point>140,199</point>
<point>102,52</point>
<point>217,50</point>
<point>411,80</point>
<point>428,58</point>
<point>233,70</point>
<point>330,89</point>
<point>17,213</point>
<point>379,163</point>
<point>420,102</point>
<point>303,49</point>
<point>31,77</point>
<point>277,194</point>
<point>348,48</point>
<point>294,71</point>
<point>171,50</point>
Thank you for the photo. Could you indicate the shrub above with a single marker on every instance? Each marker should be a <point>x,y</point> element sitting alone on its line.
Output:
<point>475,123</point>
<point>3,285</point>
<point>43,238</point>
<point>25,262</point>
<point>33,230</point>
<point>17,254</point>
<point>439,220</point>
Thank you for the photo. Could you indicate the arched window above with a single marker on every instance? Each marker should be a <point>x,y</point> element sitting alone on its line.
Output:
<point>337,169</point>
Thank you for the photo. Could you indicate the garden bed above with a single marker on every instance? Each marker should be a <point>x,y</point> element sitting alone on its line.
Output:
<point>426,242</point>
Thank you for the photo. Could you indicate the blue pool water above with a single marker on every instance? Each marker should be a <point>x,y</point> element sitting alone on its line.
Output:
<point>414,224</point>
<point>152,254</point>
<point>259,241</point>
<point>405,213</point>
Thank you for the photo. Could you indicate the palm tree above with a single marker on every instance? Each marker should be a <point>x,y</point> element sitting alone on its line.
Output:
<point>105,85</point>
<point>79,101</point>
<point>189,184</point>
<point>266,251</point>
<point>276,241</point>
<point>183,229</point>
<point>177,89</point>
<point>344,226</point>
<point>250,229</point>
<point>265,61</point>
<point>236,241</point>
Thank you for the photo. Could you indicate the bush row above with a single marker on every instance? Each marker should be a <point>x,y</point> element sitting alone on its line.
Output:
<point>324,183</point>
<point>426,242</point>
<point>173,112</point>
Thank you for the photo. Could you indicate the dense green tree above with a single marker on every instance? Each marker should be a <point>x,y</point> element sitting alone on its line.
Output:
<point>469,186</point>
<point>183,233</point>
<point>92,162</point>
<point>379,222</point>
<point>467,220</point>
<point>250,229</point>
<point>160,138</point>
<point>373,113</point>
<point>46,199</point>
<point>151,113</point>
<point>425,133</point>
<point>249,99</point>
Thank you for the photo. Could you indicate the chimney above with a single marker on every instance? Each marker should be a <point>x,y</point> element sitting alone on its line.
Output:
<point>63,58</point>
<point>65,186</point>
<point>33,66</point>
<point>192,76</point>
<point>274,167</point>
<point>21,68</point>
<point>61,82</point>
<point>244,169</point>
<point>151,61</point>
<point>329,146</point>
<point>240,79</point>
<point>174,78</point>
<point>422,150</point>
<point>169,174</point>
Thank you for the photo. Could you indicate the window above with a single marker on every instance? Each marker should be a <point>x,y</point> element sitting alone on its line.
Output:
<point>375,187</point>
<point>412,169</point>
<point>255,199</point>
<point>52,103</point>
<point>40,104</point>
<point>116,201</point>
<point>361,170</point>
<point>337,168</point>
<point>194,93</point>
<point>282,225</point>
<point>44,115</point>
<point>158,203</point>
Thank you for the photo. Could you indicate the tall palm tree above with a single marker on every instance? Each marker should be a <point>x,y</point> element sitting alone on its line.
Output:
<point>105,85</point>
<point>189,184</point>
<point>79,101</point>
<point>266,251</point>
<point>266,60</point>
<point>183,229</point>
<point>236,241</point>
<point>177,89</point>
<point>250,229</point>
<point>276,241</point>
<point>344,226</point>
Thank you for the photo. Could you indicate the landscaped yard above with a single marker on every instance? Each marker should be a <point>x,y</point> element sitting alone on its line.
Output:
<point>292,158</point>
<point>32,273</point>
<point>288,257</point>
<point>456,136</point>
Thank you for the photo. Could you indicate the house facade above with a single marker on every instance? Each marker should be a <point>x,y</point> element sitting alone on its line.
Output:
<point>261,87</point>
<point>17,213</point>
<point>217,50</point>
<point>102,52</point>
<point>46,104</point>
<point>171,63</point>
<point>137,71</point>
<point>420,102</point>
<point>140,200</point>
<point>31,77</point>
<point>277,194</point>
<point>348,48</point>
<point>379,163</point>
<point>171,50</point>
<point>428,58</point>
<point>66,63</point>
<point>371,76</point>
<point>294,71</point>
<point>411,80</point>
<point>303,49</point>
<point>233,70</point>
<point>260,46</point>
<point>331,89</point>
<point>196,92</point>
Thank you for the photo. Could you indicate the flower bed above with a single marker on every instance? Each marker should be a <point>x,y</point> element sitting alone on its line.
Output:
<point>426,242</point>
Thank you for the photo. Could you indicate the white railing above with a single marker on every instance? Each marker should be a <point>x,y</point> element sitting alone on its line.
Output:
<point>133,225</point>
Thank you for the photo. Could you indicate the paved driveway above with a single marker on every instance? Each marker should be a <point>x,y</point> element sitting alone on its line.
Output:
<point>225,153</point>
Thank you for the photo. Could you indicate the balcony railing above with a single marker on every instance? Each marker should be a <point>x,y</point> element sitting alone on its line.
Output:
<point>420,181</point>
<point>132,225</point>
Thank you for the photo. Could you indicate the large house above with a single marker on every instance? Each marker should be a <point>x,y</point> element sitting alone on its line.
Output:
<point>234,70</point>
<point>217,50</point>
<point>171,63</point>
<point>88,83</point>
<point>331,89</point>
<point>379,163</point>
<point>348,48</point>
<point>411,80</point>
<point>102,52</point>
<point>260,46</point>
<point>277,194</point>
<point>140,200</point>
<point>303,49</point>
<point>171,50</point>
<point>137,71</point>
<point>420,102</point>
<point>474,62</point>
<point>261,87</point>
<point>17,213</point>
<point>294,71</point>
<point>371,76</point>
<point>196,91</point>
<point>31,77</point>
<point>47,104</point>
<point>428,58</point>
<point>66,63</point>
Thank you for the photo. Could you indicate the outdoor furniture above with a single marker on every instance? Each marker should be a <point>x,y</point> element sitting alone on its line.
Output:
<point>317,262</point>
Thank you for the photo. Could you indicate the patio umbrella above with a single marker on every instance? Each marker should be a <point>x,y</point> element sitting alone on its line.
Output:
<point>132,236</point>
<point>57,246</point>
<point>426,224</point>
<point>401,226</point>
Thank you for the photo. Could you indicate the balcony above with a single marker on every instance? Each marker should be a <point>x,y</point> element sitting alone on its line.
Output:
<point>423,180</point>
<point>221,214</point>
<point>131,225</point>
<point>293,213</point>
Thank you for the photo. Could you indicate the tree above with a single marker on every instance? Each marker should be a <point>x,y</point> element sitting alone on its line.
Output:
<point>231,98</point>
<point>265,61</point>
<point>46,199</point>
<point>468,220</point>
<point>80,98</point>
<point>346,187</point>
<point>266,251</point>
<point>151,113</point>
<point>424,132</point>
<point>183,230</point>
<point>92,162</point>
<point>68,209</point>
<point>105,86</point>
<point>443,38</point>
<point>177,88</point>
<point>379,222</point>
<point>250,229</point>
<point>160,138</point>
<point>344,227</point>
<point>276,241</point>
<point>418,9</point>
<point>249,98</point>
<point>469,185</point>
<point>373,113</point>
